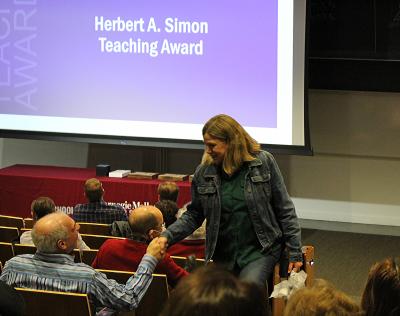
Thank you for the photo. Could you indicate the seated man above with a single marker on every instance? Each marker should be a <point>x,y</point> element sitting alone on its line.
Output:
<point>124,254</point>
<point>97,211</point>
<point>39,208</point>
<point>53,268</point>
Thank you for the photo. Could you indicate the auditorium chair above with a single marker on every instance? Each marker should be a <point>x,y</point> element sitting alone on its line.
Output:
<point>88,255</point>
<point>50,303</point>
<point>28,223</point>
<point>280,273</point>
<point>6,251</point>
<point>8,234</point>
<point>11,221</point>
<point>187,263</point>
<point>20,249</point>
<point>95,241</point>
<point>154,299</point>
<point>95,229</point>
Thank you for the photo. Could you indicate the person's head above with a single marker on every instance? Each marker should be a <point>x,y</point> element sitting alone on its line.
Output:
<point>55,233</point>
<point>146,221</point>
<point>381,295</point>
<point>169,209</point>
<point>41,207</point>
<point>212,291</point>
<point>168,190</point>
<point>320,299</point>
<point>227,144</point>
<point>93,190</point>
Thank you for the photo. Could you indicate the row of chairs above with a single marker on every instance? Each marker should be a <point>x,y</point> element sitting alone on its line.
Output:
<point>49,303</point>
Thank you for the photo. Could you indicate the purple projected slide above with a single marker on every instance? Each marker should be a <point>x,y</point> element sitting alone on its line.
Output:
<point>165,61</point>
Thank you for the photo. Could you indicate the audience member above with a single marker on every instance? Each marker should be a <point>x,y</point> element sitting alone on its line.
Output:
<point>168,190</point>
<point>97,211</point>
<point>169,210</point>
<point>53,268</point>
<point>321,299</point>
<point>214,292</point>
<point>146,223</point>
<point>39,208</point>
<point>11,302</point>
<point>193,244</point>
<point>381,296</point>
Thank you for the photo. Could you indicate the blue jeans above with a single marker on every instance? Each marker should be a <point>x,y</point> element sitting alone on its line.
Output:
<point>260,271</point>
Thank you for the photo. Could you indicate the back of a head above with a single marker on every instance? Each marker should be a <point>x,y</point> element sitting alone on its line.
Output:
<point>143,219</point>
<point>48,230</point>
<point>169,209</point>
<point>212,291</point>
<point>321,299</point>
<point>42,206</point>
<point>381,295</point>
<point>93,190</point>
<point>168,190</point>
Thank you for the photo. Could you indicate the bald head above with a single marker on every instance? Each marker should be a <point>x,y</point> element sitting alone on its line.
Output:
<point>146,220</point>
<point>55,233</point>
<point>93,190</point>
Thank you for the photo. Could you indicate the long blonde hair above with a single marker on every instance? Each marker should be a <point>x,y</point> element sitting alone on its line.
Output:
<point>241,146</point>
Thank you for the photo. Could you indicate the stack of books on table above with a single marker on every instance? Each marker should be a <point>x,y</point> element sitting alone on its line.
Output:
<point>119,173</point>
<point>142,175</point>
<point>173,177</point>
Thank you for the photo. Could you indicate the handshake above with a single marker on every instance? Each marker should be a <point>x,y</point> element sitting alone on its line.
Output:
<point>157,248</point>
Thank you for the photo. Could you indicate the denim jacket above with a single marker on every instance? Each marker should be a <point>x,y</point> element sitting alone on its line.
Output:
<point>270,208</point>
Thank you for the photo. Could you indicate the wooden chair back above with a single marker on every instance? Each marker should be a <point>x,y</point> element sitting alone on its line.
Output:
<point>50,303</point>
<point>155,297</point>
<point>6,251</point>
<point>88,255</point>
<point>28,223</point>
<point>8,234</point>
<point>278,304</point>
<point>95,229</point>
<point>184,264</point>
<point>95,241</point>
<point>11,221</point>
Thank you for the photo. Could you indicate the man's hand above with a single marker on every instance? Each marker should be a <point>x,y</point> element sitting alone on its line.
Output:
<point>164,242</point>
<point>157,249</point>
<point>295,266</point>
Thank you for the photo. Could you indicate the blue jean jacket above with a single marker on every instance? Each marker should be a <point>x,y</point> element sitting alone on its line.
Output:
<point>270,208</point>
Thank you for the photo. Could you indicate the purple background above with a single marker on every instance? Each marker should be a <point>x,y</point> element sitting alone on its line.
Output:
<point>236,75</point>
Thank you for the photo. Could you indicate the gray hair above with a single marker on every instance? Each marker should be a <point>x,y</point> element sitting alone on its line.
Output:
<point>47,243</point>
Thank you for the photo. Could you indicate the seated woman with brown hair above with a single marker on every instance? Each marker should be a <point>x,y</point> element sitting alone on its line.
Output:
<point>212,291</point>
<point>381,295</point>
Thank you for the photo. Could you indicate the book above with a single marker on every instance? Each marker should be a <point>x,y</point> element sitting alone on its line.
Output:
<point>173,177</point>
<point>119,173</point>
<point>143,175</point>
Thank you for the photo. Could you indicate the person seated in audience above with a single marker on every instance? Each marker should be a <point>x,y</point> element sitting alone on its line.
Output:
<point>168,190</point>
<point>169,210</point>
<point>53,268</point>
<point>194,244</point>
<point>320,299</point>
<point>212,291</point>
<point>97,211</point>
<point>381,295</point>
<point>124,254</point>
<point>39,208</point>
<point>11,302</point>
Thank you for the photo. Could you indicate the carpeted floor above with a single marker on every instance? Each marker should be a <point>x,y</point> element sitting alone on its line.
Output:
<point>344,258</point>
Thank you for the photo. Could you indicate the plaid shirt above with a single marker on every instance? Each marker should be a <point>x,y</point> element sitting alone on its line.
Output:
<point>59,272</point>
<point>99,212</point>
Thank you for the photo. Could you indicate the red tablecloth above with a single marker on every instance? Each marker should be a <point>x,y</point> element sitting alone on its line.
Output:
<point>21,184</point>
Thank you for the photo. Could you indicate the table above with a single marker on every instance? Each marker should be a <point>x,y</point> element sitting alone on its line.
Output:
<point>21,184</point>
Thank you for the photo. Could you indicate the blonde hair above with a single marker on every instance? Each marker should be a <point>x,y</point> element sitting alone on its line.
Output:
<point>241,146</point>
<point>321,299</point>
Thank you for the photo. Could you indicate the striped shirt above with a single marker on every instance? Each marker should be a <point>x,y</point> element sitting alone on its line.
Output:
<point>59,272</point>
<point>99,212</point>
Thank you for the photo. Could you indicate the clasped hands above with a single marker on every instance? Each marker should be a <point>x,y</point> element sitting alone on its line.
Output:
<point>157,248</point>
